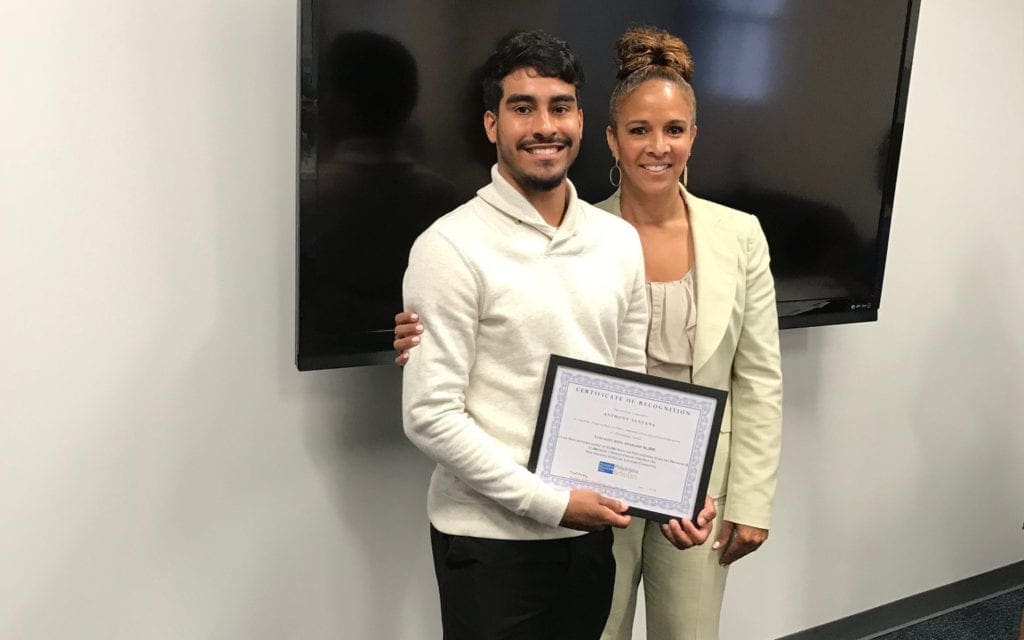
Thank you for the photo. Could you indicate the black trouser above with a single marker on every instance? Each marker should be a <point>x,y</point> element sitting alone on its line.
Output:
<point>524,589</point>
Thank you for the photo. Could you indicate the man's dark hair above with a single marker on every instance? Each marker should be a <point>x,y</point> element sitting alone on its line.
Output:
<point>550,56</point>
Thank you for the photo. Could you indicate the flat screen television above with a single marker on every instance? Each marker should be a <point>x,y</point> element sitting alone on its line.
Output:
<point>800,116</point>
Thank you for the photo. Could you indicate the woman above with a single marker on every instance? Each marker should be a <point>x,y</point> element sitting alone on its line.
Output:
<point>712,322</point>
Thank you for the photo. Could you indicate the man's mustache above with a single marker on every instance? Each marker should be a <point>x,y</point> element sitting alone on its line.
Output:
<point>542,140</point>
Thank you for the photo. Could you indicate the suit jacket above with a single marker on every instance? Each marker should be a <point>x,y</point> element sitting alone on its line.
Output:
<point>736,348</point>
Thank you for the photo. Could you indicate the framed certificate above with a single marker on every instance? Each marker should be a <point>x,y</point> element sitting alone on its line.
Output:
<point>645,440</point>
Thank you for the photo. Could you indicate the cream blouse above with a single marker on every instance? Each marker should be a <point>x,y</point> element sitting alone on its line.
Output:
<point>671,328</point>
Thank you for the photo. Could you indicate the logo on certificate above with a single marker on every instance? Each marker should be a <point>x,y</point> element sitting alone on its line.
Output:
<point>606,467</point>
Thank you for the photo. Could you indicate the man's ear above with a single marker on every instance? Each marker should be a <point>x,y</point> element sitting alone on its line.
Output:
<point>490,126</point>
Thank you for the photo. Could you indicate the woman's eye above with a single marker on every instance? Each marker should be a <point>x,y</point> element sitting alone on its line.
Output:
<point>638,131</point>
<point>676,131</point>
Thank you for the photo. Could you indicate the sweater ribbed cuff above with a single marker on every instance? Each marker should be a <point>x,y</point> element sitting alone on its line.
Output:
<point>548,505</point>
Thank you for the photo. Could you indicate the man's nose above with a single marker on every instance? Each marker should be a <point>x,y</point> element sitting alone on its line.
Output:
<point>544,124</point>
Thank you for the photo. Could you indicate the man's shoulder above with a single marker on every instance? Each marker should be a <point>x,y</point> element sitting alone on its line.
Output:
<point>460,221</point>
<point>603,222</point>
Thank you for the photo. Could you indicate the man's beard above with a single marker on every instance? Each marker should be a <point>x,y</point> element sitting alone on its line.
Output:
<point>539,183</point>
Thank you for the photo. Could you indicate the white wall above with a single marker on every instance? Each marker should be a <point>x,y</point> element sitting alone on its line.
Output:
<point>166,473</point>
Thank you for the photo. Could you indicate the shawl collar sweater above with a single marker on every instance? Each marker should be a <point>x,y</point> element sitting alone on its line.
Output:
<point>503,290</point>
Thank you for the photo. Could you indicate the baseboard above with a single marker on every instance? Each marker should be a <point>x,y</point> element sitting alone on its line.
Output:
<point>888,617</point>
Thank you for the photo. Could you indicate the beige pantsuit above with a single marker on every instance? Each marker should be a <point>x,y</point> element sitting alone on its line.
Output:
<point>736,348</point>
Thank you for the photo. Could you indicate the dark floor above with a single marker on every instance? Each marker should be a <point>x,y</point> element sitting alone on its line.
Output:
<point>996,618</point>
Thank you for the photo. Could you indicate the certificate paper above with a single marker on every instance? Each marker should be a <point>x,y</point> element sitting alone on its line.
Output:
<point>645,440</point>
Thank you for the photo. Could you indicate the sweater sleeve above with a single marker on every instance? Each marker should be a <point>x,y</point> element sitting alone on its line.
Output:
<point>442,286</point>
<point>631,350</point>
<point>756,394</point>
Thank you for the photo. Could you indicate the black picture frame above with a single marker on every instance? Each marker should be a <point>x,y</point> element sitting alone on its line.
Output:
<point>557,362</point>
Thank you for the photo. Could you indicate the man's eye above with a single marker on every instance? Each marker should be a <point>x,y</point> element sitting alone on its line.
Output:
<point>521,109</point>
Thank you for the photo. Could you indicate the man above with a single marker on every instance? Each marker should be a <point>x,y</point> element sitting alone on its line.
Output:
<point>523,270</point>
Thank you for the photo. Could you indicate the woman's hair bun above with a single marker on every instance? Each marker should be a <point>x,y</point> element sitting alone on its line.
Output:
<point>643,47</point>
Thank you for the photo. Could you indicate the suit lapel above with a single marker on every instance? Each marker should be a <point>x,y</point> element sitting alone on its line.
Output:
<point>715,256</point>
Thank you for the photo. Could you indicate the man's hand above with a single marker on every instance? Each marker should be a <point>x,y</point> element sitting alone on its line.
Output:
<point>590,511</point>
<point>407,335</point>
<point>737,540</point>
<point>683,534</point>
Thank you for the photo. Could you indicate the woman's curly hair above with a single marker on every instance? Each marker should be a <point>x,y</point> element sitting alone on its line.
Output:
<point>647,53</point>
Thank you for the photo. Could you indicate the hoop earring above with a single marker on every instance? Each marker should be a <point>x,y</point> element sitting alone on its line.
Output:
<point>617,172</point>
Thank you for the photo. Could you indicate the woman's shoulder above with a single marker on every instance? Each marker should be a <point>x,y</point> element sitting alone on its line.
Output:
<point>741,222</point>
<point>718,209</point>
<point>610,204</point>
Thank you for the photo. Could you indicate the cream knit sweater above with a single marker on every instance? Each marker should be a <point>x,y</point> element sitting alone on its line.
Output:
<point>503,290</point>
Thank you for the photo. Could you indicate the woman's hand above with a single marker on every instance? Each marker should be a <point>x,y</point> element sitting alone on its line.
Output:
<point>683,534</point>
<point>737,540</point>
<point>407,335</point>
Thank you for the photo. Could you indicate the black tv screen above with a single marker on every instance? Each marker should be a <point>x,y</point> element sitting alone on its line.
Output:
<point>800,115</point>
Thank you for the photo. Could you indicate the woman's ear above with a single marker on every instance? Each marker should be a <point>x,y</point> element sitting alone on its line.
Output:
<point>613,142</point>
